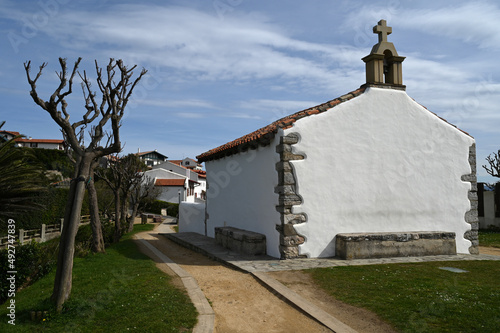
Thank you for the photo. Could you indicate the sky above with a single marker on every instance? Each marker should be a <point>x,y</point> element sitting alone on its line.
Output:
<point>220,69</point>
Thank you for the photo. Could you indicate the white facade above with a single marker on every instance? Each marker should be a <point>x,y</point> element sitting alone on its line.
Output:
<point>392,166</point>
<point>379,162</point>
<point>241,193</point>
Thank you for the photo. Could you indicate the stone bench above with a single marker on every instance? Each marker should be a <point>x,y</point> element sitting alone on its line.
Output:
<point>239,240</point>
<point>145,218</point>
<point>394,244</point>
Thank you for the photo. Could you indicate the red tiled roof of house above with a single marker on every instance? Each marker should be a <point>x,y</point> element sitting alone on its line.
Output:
<point>201,173</point>
<point>11,133</point>
<point>24,140</point>
<point>178,162</point>
<point>264,135</point>
<point>170,182</point>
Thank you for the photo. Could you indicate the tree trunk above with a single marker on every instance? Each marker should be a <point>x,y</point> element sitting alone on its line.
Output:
<point>125,220</point>
<point>118,229</point>
<point>135,208</point>
<point>95,221</point>
<point>63,280</point>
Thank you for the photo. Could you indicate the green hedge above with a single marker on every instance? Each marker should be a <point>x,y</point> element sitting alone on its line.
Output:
<point>54,203</point>
<point>53,159</point>
<point>158,205</point>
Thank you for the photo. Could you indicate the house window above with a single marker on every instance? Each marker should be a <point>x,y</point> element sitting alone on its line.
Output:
<point>33,144</point>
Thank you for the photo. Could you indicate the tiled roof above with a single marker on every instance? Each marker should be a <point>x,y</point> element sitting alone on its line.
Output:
<point>151,152</point>
<point>201,173</point>
<point>170,182</point>
<point>11,133</point>
<point>39,141</point>
<point>264,135</point>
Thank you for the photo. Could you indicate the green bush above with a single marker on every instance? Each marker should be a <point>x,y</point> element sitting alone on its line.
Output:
<point>32,261</point>
<point>83,239</point>
<point>158,205</point>
<point>54,203</point>
<point>53,159</point>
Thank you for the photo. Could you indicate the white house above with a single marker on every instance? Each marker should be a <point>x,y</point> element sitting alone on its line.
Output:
<point>178,183</point>
<point>188,163</point>
<point>40,143</point>
<point>32,143</point>
<point>151,158</point>
<point>370,161</point>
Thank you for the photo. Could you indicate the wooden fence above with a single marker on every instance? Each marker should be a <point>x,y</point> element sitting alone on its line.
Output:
<point>43,234</point>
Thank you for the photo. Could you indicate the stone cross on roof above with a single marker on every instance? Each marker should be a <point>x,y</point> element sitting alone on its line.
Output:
<point>382,30</point>
<point>383,64</point>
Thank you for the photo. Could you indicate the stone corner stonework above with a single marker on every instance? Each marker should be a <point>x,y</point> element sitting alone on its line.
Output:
<point>471,216</point>
<point>288,197</point>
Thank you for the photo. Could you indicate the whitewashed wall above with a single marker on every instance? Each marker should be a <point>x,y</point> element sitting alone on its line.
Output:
<point>241,193</point>
<point>379,163</point>
<point>192,217</point>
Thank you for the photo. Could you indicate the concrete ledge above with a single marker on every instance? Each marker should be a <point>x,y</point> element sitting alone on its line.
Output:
<point>240,240</point>
<point>394,244</point>
<point>302,304</point>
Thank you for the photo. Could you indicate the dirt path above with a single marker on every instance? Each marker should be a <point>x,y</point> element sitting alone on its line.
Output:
<point>489,250</point>
<point>240,303</point>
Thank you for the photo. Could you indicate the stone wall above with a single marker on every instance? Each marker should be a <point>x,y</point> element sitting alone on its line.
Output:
<point>287,190</point>
<point>472,215</point>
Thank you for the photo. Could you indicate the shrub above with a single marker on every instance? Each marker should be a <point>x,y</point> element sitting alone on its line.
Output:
<point>32,261</point>
<point>54,203</point>
<point>158,205</point>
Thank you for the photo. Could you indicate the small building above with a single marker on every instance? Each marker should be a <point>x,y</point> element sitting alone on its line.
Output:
<point>188,163</point>
<point>40,143</point>
<point>30,142</point>
<point>178,183</point>
<point>152,158</point>
<point>370,161</point>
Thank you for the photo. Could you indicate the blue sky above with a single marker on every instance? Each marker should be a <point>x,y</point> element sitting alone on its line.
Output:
<point>220,69</point>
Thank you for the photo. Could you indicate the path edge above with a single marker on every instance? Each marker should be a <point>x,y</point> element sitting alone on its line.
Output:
<point>206,315</point>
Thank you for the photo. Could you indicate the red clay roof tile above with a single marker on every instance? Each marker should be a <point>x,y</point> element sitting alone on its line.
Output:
<point>170,182</point>
<point>264,135</point>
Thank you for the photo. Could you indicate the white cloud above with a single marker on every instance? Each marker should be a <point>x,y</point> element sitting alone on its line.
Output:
<point>201,45</point>
<point>472,22</point>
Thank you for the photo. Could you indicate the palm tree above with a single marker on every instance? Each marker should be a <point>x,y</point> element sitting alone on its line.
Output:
<point>21,177</point>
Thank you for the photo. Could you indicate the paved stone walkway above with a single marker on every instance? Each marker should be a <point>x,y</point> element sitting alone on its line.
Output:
<point>208,247</point>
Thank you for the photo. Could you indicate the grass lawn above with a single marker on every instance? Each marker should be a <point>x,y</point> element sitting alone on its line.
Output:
<point>420,297</point>
<point>489,238</point>
<point>119,291</point>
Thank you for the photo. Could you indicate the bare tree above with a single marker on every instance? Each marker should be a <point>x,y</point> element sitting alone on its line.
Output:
<point>116,86</point>
<point>143,193</point>
<point>493,169</point>
<point>122,176</point>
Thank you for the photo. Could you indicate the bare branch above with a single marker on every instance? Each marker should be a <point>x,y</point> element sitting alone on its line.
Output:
<point>494,164</point>
<point>32,83</point>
